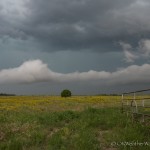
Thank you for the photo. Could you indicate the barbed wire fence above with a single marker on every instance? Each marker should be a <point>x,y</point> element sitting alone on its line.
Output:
<point>137,105</point>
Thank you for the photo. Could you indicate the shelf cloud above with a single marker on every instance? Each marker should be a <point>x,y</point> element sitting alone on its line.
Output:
<point>33,71</point>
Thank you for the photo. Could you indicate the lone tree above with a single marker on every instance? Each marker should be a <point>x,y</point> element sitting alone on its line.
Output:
<point>66,93</point>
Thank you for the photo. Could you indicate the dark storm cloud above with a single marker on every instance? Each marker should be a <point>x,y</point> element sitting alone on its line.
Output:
<point>77,24</point>
<point>12,18</point>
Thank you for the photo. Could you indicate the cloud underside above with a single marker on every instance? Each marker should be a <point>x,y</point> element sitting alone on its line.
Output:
<point>74,25</point>
<point>141,51</point>
<point>34,71</point>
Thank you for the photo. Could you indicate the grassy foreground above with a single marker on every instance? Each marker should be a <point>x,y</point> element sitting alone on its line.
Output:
<point>77,123</point>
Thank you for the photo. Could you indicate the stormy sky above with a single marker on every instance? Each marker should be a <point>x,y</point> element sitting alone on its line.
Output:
<point>87,46</point>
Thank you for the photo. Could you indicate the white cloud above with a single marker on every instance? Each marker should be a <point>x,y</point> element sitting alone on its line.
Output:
<point>36,71</point>
<point>129,56</point>
<point>141,51</point>
<point>144,47</point>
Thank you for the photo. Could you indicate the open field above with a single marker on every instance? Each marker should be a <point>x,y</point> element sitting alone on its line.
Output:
<point>57,103</point>
<point>76,123</point>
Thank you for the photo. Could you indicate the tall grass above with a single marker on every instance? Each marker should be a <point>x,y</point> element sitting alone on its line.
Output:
<point>90,129</point>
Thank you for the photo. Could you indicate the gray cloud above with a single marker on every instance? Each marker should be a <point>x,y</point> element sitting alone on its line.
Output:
<point>144,47</point>
<point>12,18</point>
<point>36,71</point>
<point>141,51</point>
<point>129,56</point>
<point>75,25</point>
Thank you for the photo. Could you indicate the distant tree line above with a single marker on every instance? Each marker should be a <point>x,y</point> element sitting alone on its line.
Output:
<point>5,94</point>
<point>108,94</point>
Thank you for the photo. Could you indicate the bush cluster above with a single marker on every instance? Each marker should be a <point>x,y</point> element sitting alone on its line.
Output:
<point>66,93</point>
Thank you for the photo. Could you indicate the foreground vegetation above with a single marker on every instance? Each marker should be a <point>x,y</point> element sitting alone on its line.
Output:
<point>75,123</point>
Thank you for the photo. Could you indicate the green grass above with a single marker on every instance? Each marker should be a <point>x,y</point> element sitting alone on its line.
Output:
<point>55,123</point>
<point>91,129</point>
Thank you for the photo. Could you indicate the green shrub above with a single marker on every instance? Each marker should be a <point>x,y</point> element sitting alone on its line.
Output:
<point>66,93</point>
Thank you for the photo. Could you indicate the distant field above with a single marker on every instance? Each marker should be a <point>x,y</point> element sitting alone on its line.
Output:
<point>57,103</point>
<point>76,123</point>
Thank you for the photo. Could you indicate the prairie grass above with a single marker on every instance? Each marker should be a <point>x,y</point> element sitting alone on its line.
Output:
<point>76,123</point>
